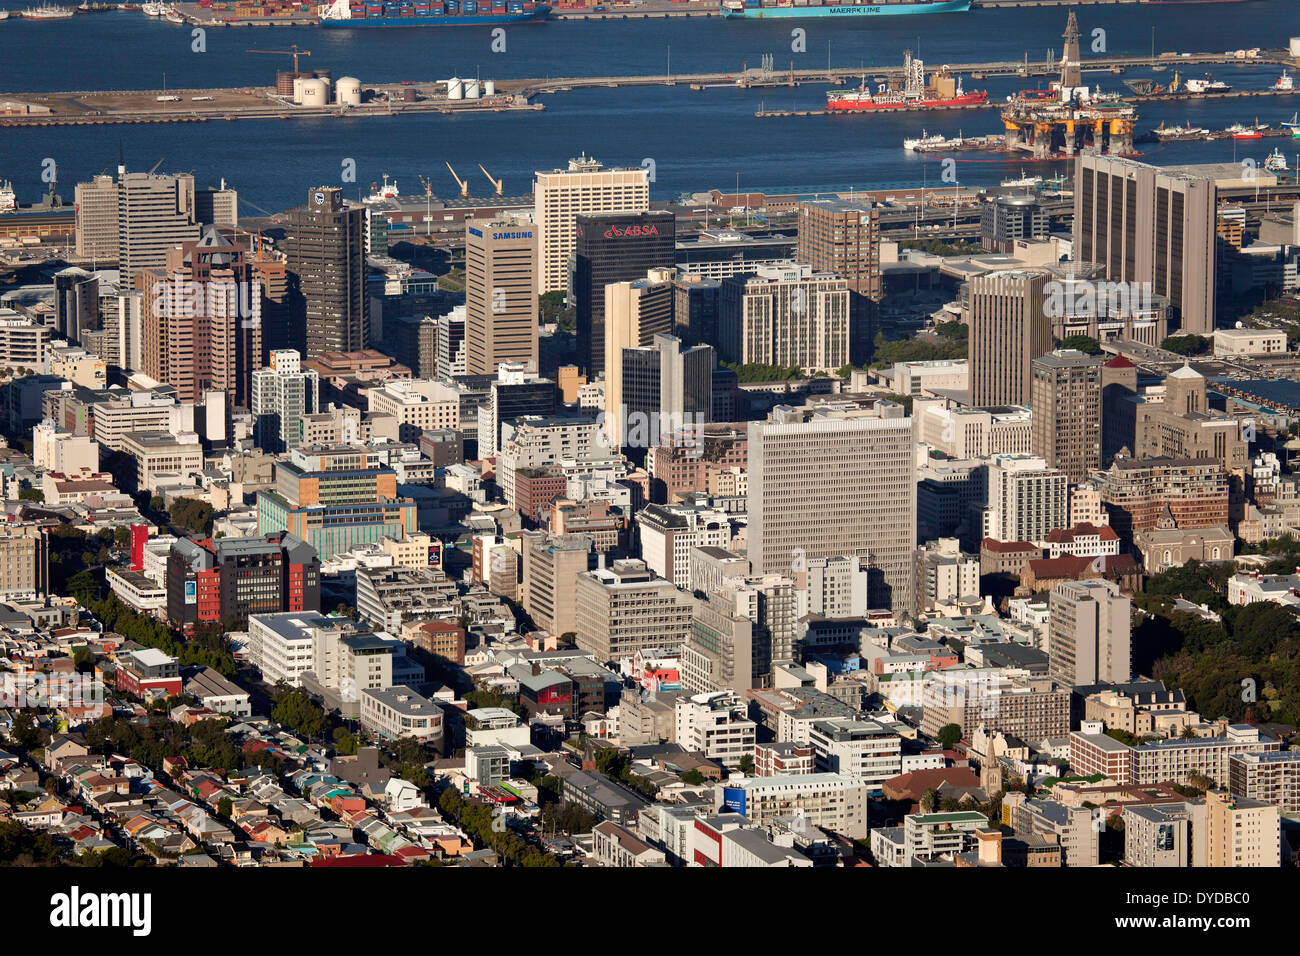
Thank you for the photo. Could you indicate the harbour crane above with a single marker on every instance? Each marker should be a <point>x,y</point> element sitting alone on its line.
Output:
<point>295,53</point>
<point>463,184</point>
<point>496,183</point>
<point>428,186</point>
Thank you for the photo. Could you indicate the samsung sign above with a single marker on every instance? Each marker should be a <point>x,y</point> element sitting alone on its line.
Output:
<point>512,235</point>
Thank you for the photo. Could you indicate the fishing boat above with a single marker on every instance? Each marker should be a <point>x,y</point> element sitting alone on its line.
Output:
<point>47,11</point>
<point>1293,125</point>
<point>924,140</point>
<point>1284,82</point>
<point>1276,162</point>
<point>1241,131</point>
<point>1207,85</point>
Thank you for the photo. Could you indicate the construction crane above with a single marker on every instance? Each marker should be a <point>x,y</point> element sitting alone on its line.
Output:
<point>496,183</point>
<point>463,184</point>
<point>295,53</point>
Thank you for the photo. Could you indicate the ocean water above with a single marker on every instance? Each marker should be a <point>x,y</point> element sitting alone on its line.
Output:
<point>697,140</point>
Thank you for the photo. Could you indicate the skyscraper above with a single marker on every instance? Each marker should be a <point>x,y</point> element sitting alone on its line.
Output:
<point>788,314</point>
<point>635,312</point>
<point>154,213</point>
<point>282,394</point>
<point>1009,328</point>
<point>836,479</point>
<point>561,195</point>
<point>96,213</point>
<point>202,320</point>
<point>500,306</point>
<point>842,237</point>
<point>664,389</point>
<point>1066,399</point>
<point>325,247</point>
<point>613,248</point>
<point>1151,224</point>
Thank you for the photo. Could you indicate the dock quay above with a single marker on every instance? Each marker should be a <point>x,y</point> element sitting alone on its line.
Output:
<point>89,107</point>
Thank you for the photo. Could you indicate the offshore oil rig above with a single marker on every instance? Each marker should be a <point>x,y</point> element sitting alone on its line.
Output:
<point>1069,118</point>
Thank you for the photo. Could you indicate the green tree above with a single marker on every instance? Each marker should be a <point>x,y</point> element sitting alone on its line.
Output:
<point>948,736</point>
<point>1082,343</point>
<point>224,807</point>
<point>1187,344</point>
<point>300,714</point>
<point>193,515</point>
<point>31,494</point>
<point>746,765</point>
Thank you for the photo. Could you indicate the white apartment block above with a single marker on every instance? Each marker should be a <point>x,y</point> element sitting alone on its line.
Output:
<point>834,801</point>
<point>973,432</point>
<point>715,725</point>
<point>858,748</point>
<point>669,533</point>
<point>1026,499</point>
<point>787,314</point>
<point>282,646</point>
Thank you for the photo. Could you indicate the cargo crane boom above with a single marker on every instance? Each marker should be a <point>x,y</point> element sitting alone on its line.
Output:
<point>462,183</point>
<point>294,52</point>
<point>496,183</point>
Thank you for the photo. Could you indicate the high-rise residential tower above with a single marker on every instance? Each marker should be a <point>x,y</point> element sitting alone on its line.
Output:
<point>1066,401</point>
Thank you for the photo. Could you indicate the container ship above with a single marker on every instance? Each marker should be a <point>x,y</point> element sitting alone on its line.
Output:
<point>785,9</point>
<point>430,13</point>
<point>942,91</point>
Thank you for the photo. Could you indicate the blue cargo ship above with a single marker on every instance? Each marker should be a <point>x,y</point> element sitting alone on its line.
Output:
<point>430,13</point>
<point>792,9</point>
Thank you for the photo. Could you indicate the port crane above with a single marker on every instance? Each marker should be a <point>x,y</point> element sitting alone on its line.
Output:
<point>496,183</point>
<point>294,52</point>
<point>462,183</point>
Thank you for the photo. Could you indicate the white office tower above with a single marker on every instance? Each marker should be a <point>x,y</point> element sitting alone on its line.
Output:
<point>835,479</point>
<point>561,194</point>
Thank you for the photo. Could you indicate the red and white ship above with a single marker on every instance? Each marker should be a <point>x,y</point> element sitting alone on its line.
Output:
<point>914,94</point>
<point>1241,131</point>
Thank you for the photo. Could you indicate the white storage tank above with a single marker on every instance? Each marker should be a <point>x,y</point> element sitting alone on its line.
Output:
<point>348,91</point>
<point>471,89</point>
<point>489,87</point>
<point>298,81</point>
<point>455,89</point>
<point>315,92</point>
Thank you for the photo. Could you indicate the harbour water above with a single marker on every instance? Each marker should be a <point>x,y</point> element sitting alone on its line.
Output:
<point>697,139</point>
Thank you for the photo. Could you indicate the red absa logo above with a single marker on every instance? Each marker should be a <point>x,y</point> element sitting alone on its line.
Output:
<point>614,232</point>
